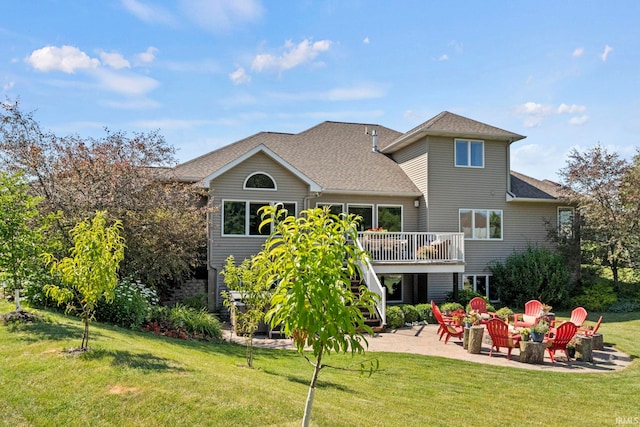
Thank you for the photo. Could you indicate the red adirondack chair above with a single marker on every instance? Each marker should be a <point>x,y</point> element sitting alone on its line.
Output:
<point>501,337</point>
<point>446,327</point>
<point>479,305</point>
<point>590,332</point>
<point>578,316</point>
<point>531,315</point>
<point>563,334</point>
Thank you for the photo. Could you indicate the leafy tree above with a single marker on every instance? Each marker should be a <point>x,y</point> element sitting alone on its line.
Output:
<point>164,222</point>
<point>630,195</point>
<point>535,273</point>
<point>90,273</point>
<point>255,298</point>
<point>310,260</point>
<point>22,232</point>
<point>599,181</point>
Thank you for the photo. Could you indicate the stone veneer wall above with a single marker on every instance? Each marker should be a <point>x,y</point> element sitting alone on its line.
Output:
<point>189,289</point>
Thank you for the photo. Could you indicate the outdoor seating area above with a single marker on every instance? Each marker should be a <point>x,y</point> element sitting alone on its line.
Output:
<point>533,332</point>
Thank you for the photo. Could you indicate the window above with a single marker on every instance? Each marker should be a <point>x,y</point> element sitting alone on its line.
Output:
<point>390,217</point>
<point>469,153</point>
<point>334,208</point>
<point>393,286</point>
<point>565,222</point>
<point>480,283</point>
<point>366,212</point>
<point>241,218</point>
<point>259,181</point>
<point>481,224</point>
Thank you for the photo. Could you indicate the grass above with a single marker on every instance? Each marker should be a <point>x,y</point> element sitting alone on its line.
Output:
<point>139,379</point>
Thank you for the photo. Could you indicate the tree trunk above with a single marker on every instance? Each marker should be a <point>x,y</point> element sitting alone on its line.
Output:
<point>85,334</point>
<point>474,345</point>
<point>312,391</point>
<point>18,308</point>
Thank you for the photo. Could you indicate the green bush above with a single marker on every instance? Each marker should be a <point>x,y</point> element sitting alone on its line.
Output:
<point>197,323</point>
<point>464,296</point>
<point>504,313</point>
<point>625,306</point>
<point>535,273</point>
<point>424,313</point>
<point>197,302</point>
<point>129,307</point>
<point>596,297</point>
<point>395,317</point>
<point>411,314</point>
<point>451,306</point>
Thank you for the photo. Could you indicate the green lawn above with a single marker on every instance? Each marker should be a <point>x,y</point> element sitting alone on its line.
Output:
<point>138,379</point>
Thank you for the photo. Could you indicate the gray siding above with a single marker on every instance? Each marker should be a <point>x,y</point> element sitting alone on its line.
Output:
<point>229,186</point>
<point>413,160</point>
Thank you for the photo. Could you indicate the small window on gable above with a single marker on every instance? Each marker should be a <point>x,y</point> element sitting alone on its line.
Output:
<point>260,181</point>
<point>469,153</point>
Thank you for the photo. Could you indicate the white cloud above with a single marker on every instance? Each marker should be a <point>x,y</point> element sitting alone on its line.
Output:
<point>605,54</point>
<point>8,85</point>
<point>366,40</point>
<point>114,60</point>
<point>293,56</point>
<point>239,76</point>
<point>577,121</point>
<point>67,59</point>
<point>126,83</point>
<point>534,114</point>
<point>578,52</point>
<point>221,15</point>
<point>132,104</point>
<point>148,56</point>
<point>363,91</point>
<point>538,161</point>
<point>571,109</point>
<point>444,57</point>
<point>148,13</point>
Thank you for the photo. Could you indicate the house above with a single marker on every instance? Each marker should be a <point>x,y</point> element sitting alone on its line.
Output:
<point>443,192</point>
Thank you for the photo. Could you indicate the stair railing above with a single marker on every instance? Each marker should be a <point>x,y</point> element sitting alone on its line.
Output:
<point>372,282</point>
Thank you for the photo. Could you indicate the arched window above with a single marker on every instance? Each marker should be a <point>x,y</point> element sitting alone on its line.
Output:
<point>260,181</point>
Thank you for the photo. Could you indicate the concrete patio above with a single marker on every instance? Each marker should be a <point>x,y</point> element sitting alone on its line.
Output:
<point>424,340</point>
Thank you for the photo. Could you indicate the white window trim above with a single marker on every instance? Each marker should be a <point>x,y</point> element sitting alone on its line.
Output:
<point>275,184</point>
<point>489,284</point>
<point>473,224</point>
<point>573,210</point>
<point>468,141</point>
<point>247,219</point>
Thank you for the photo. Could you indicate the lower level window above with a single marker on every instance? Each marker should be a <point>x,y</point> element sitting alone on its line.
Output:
<point>393,286</point>
<point>481,284</point>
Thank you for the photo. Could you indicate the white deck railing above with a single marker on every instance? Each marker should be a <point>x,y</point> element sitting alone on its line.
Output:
<point>391,247</point>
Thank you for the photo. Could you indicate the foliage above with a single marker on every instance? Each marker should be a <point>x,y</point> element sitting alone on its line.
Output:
<point>464,296</point>
<point>197,323</point>
<point>451,306</point>
<point>22,233</point>
<point>604,186</point>
<point>424,313</point>
<point>504,313</point>
<point>311,260</point>
<point>395,317</point>
<point>90,273</point>
<point>130,306</point>
<point>254,295</point>
<point>535,273</point>
<point>541,327</point>
<point>197,301</point>
<point>598,296</point>
<point>625,306</point>
<point>163,222</point>
<point>411,314</point>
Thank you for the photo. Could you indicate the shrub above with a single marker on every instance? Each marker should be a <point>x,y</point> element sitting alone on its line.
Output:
<point>535,273</point>
<point>596,297</point>
<point>464,296</point>
<point>410,313</point>
<point>130,305</point>
<point>424,313</point>
<point>451,306</point>
<point>625,306</point>
<point>395,317</point>
<point>197,302</point>
<point>197,323</point>
<point>504,313</point>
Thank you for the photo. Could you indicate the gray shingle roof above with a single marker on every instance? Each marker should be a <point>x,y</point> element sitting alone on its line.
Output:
<point>337,156</point>
<point>449,124</point>
<point>526,187</point>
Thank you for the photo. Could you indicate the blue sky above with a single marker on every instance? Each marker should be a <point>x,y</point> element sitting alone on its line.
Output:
<point>206,73</point>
